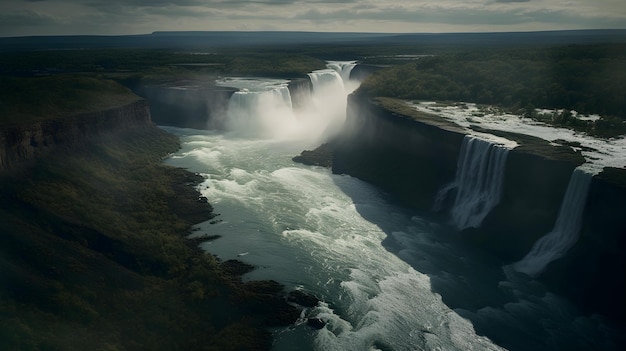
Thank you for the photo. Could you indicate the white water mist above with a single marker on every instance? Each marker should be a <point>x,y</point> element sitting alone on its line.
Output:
<point>566,230</point>
<point>260,111</point>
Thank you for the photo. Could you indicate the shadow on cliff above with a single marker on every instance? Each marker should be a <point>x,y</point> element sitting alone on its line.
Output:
<point>509,308</point>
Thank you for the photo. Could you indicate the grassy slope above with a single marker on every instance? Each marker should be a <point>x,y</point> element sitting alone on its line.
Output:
<point>93,257</point>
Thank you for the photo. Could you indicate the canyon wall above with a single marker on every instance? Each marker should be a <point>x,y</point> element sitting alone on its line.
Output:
<point>187,107</point>
<point>22,143</point>
<point>413,157</point>
<point>203,107</point>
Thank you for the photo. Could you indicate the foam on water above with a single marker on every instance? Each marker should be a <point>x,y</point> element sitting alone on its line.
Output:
<point>316,237</point>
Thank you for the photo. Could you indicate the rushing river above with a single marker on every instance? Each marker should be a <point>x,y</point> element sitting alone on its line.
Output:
<point>389,279</point>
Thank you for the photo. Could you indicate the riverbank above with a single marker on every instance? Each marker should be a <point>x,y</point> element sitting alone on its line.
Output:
<point>94,255</point>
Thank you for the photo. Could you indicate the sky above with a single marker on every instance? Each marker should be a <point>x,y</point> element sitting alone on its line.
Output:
<point>62,17</point>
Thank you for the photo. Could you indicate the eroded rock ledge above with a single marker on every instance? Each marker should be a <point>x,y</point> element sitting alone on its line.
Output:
<point>22,143</point>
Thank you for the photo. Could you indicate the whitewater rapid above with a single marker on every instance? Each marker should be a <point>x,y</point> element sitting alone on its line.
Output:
<point>299,227</point>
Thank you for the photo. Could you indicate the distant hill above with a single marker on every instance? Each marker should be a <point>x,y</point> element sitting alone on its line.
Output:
<point>207,40</point>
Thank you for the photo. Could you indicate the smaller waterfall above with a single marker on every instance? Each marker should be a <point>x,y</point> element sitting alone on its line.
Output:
<point>566,230</point>
<point>329,96</point>
<point>344,68</point>
<point>478,182</point>
<point>326,79</point>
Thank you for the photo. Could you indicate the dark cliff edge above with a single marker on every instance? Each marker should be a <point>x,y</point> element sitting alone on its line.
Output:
<point>27,142</point>
<point>413,155</point>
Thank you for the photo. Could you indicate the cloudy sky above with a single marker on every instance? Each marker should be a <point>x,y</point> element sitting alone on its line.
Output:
<point>48,17</point>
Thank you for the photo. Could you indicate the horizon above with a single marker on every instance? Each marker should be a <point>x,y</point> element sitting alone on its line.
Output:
<point>200,32</point>
<point>20,18</point>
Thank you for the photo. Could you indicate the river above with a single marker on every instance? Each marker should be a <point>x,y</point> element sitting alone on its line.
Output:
<point>389,279</point>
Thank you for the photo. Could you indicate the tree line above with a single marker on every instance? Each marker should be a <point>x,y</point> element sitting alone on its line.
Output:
<point>590,79</point>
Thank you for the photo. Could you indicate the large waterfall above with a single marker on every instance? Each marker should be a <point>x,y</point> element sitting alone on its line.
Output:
<point>566,230</point>
<point>244,107</point>
<point>263,107</point>
<point>478,182</point>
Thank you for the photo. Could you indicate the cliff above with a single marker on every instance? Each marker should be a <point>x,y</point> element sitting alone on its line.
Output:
<point>201,105</point>
<point>413,155</point>
<point>187,106</point>
<point>24,142</point>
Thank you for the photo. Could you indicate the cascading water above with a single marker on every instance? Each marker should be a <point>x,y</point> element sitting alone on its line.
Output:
<point>324,78</point>
<point>343,68</point>
<point>261,106</point>
<point>330,90</point>
<point>566,230</point>
<point>478,182</point>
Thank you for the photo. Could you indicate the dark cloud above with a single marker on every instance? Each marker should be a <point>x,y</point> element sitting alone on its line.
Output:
<point>142,16</point>
<point>421,15</point>
<point>20,19</point>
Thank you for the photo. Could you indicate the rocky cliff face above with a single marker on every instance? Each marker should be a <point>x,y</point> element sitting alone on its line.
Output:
<point>22,143</point>
<point>412,159</point>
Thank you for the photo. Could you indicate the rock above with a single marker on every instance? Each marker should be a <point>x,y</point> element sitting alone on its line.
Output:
<point>302,298</point>
<point>236,268</point>
<point>322,156</point>
<point>315,323</point>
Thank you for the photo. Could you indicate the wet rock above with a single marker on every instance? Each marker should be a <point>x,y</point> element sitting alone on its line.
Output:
<point>322,156</point>
<point>315,323</point>
<point>303,298</point>
<point>236,268</point>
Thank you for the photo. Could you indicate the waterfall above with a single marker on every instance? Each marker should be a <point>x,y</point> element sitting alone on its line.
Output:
<point>343,68</point>
<point>566,230</point>
<point>478,182</point>
<point>259,110</point>
<point>326,79</point>
<point>329,95</point>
